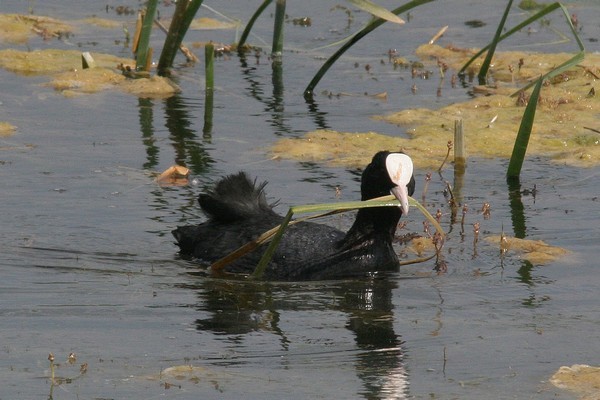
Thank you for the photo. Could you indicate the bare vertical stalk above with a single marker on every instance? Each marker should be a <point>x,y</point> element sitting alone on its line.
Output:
<point>209,52</point>
<point>277,49</point>
<point>460,158</point>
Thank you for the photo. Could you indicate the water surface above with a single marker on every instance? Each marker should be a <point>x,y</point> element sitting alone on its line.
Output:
<point>89,266</point>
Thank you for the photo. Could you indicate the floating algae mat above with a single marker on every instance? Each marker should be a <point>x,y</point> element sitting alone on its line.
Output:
<point>536,252</point>
<point>340,149</point>
<point>19,28</point>
<point>579,378</point>
<point>6,129</point>
<point>67,75</point>
<point>204,23</point>
<point>565,127</point>
<point>65,66</point>
<point>102,22</point>
<point>15,28</point>
<point>181,375</point>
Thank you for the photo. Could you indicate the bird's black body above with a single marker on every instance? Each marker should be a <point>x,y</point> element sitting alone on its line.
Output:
<point>238,213</point>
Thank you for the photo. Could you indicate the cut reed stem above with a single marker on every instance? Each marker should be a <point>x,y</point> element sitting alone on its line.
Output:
<point>277,49</point>
<point>209,55</point>
<point>460,159</point>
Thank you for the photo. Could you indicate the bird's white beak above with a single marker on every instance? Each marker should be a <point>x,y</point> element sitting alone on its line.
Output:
<point>400,169</point>
<point>401,193</point>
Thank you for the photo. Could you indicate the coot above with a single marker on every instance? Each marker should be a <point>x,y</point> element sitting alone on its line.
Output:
<point>238,213</point>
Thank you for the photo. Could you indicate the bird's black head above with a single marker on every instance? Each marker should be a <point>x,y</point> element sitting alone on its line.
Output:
<point>388,173</point>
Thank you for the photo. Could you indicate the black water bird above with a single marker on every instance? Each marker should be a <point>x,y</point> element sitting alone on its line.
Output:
<point>238,213</point>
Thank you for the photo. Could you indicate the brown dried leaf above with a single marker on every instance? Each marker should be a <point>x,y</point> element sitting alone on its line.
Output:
<point>175,175</point>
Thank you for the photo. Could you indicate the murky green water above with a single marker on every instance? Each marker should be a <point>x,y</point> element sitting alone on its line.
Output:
<point>88,264</point>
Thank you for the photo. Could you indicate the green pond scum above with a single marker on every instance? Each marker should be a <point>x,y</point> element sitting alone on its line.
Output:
<point>565,127</point>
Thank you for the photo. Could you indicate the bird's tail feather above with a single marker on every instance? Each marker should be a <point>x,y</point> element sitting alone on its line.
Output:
<point>235,197</point>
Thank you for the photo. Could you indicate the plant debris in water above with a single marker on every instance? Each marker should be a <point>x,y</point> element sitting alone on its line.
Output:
<point>475,23</point>
<point>175,175</point>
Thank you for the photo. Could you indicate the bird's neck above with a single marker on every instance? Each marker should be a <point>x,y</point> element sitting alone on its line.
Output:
<point>373,223</point>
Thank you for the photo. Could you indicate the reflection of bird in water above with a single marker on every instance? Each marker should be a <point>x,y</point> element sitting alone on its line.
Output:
<point>302,324</point>
<point>239,213</point>
<point>379,361</point>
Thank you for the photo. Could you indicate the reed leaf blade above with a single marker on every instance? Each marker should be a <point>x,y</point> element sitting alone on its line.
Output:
<point>377,10</point>
<point>308,92</point>
<point>522,140</point>
<point>251,22</point>
<point>492,48</point>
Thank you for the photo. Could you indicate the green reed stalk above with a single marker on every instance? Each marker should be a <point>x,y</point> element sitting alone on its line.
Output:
<point>142,53</point>
<point>188,17</point>
<point>546,10</point>
<point>277,49</point>
<point>522,140</point>
<point>185,10</point>
<point>492,49</point>
<point>308,92</point>
<point>209,56</point>
<point>250,24</point>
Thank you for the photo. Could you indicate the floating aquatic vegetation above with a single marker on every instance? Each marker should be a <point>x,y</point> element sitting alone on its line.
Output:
<point>565,127</point>
<point>85,81</point>
<point>18,28</point>
<point>341,149</point>
<point>579,378</point>
<point>67,76</point>
<point>102,22</point>
<point>51,61</point>
<point>6,129</point>
<point>153,87</point>
<point>179,376</point>
<point>536,252</point>
<point>205,23</point>
<point>567,108</point>
<point>421,245</point>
